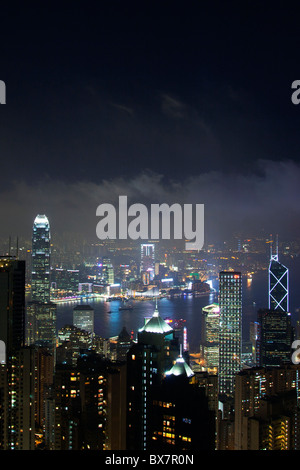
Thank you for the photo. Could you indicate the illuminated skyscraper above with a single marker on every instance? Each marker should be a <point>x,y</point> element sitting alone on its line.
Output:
<point>40,280</point>
<point>230,337</point>
<point>83,318</point>
<point>147,361</point>
<point>41,312</point>
<point>275,337</point>
<point>278,285</point>
<point>147,267</point>
<point>210,335</point>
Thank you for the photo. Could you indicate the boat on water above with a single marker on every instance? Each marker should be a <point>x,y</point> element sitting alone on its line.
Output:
<point>126,307</point>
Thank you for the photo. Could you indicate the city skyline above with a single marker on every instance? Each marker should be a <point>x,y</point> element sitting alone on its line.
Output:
<point>112,109</point>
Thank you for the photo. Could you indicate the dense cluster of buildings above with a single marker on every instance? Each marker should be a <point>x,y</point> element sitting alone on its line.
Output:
<point>72,390</point>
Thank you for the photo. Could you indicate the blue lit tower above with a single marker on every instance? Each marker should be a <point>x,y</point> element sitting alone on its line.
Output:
<point>40,271</point>
<point>41,312</point>
<point>230,334</point>
<point>278,284</point>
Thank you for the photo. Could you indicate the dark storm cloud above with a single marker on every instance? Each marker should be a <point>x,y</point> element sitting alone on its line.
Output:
<point>266,199</point>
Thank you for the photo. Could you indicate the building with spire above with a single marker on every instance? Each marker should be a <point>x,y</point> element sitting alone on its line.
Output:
<point>40,280</point>
<point>148,359</point>
<point>41,312</point>
<point>181,418</point>
<point>278,284</point>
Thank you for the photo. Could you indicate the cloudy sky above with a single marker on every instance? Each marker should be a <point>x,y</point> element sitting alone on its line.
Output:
<point>161,101</point>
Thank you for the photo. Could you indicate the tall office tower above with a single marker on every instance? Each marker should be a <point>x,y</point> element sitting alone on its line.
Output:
<point>147,361</point>
<point>41,312</point>
<point>40,282</point>
<point>147,266</point>
<point>181,418</point>
<point>108,272</point>
<point>65,280</point>
<point>210,326</point>
<point>275,337</point>
<point>12,303</point>
<point>83,318</point>
<point>254,336</point>
<point>17,373</point>
<point>123,345</point>
<point>230,337</point>
<point>278,285</point>
<point>41,325</point>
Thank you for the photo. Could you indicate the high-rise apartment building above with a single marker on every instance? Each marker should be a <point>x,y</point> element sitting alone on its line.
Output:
<point>267,408</point>
<point>230,336</point>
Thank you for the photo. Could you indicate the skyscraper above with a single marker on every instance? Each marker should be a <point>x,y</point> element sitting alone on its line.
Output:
<point>210,335</point>
<point>12,302</point>
<point>230,337</point>
<point>40,280</point>
<point>147,361</point>
<point>41,312</point>
<point>17,373</point>
<point>278,285</point>
<point>275,337</point>
<point>83,318</point>
<point>147,266</point>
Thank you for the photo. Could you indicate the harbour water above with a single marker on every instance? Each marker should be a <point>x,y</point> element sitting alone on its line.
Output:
<point>109,320</point>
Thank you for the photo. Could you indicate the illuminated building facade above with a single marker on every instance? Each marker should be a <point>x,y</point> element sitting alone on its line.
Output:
<point>90,405</point>
<point>40,281</point>
<point>267,408</point>
<point>83,318</point>
<point>230,337</point>
<point>278,285</point>
<point>181,418</point>
<point>147,361</point>
<point>275,337</point>
<point>147,266</point>
<point>41,312</point>
<point>66,280</point>
<point>210,336</point>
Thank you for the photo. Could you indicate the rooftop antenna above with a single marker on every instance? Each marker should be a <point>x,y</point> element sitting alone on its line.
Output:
<point>9,243</point>
<point>17,250</point>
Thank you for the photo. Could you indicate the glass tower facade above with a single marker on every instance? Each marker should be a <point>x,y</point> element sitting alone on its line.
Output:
<point>210,335</point>
<point>147,266</point>
<point>278,285</point>
<point>230,334</point>
<point>40,280</point>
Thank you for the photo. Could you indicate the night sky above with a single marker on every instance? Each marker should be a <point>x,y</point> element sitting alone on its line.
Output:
<point>162,101</point>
